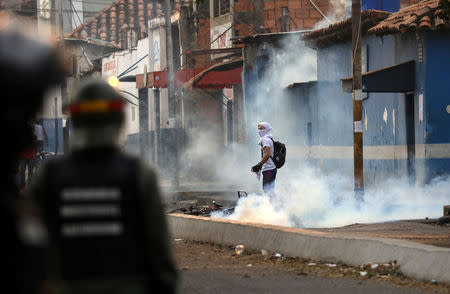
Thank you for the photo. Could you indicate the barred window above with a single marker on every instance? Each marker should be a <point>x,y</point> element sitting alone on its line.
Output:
<point>221,7</point>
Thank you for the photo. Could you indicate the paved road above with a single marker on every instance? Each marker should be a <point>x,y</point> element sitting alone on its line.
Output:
<point>208,268</point>
<point>215,281</point>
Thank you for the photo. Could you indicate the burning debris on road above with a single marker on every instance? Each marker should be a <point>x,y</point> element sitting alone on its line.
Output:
<point>204,210</point>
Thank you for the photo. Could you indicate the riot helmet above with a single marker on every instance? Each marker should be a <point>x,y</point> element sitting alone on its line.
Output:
<point>97,104</point>
<point>97,115</point>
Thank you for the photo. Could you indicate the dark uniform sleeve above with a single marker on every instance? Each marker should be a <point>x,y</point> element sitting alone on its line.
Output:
<point>36,189</point>
<point>163,274</point>
<point>36,194</point>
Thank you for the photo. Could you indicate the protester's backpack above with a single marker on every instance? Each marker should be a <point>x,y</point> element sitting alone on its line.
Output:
<point>279,153</point>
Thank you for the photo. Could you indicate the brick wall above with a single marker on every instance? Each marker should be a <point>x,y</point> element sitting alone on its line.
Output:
<point>302,15</point>
<point>204,39</point>
<point>243,15</point>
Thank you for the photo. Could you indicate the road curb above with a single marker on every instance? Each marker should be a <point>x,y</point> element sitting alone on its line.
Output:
<point>416,260</point>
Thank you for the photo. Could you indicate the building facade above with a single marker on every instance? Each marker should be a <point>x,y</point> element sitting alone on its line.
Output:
<point>404,107</point>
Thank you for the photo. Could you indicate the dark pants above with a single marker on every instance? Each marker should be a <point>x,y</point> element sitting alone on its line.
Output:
<point>39,147</point>
<point>269,177</point>
<point>24,165</point>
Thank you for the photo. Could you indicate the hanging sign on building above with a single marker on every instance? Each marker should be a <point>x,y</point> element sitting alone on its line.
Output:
<point>109,66</point>
<point>155,60</point>
<point>222,36</point>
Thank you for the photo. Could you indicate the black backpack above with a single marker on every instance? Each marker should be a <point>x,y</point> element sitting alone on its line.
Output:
<point>279,153</point>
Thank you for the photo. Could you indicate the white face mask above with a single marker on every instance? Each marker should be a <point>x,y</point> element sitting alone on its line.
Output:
<point>263,132</point>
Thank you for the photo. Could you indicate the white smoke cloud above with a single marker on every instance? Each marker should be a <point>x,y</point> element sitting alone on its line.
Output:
<point>306,197</point>
<point>338,11</point>
<point>294,63</point>
<point>208,160</point>
<point>310,199</point>
<point>258,209</point>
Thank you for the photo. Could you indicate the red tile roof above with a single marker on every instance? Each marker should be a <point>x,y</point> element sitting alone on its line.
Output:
<point>342,30</point>
<point>113,22</point>
<point>420,16</point>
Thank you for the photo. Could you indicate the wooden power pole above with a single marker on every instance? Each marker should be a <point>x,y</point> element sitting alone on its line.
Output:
<point>357,102</point>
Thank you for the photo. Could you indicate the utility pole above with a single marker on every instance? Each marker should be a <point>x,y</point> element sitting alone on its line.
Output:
<point>186,32</point>
<point>155,91</point>
<point>357,102</point>
<point>173,114</point>
<point>63,84</point>
<point>61,22</point>
<point>143,122</point>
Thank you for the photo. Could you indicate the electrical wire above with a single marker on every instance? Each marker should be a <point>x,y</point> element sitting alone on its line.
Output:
<point>95,2</point>
<point>189,59</point>
<point>295,24</point>
<point>76,13</point>
<point>320,11</point>
<point>233,13</point>
<point>73,10</point>
<point>51,10</point>
<point>220,35</point>
<point>214,96</point>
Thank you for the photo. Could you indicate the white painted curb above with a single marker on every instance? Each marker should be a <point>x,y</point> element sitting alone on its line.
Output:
<point>418,261</point>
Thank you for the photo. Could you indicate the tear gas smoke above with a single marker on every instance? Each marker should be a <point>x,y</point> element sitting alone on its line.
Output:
<point>338,10</point>
<point>310,199</point>
<point>292,62</point>
<point>208,160</point>
<point>304,197</point>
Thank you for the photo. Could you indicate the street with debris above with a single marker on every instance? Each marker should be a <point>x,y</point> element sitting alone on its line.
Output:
<point>213,268</point>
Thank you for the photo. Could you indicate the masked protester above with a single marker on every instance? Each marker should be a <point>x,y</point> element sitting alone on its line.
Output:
<point>107,230</point>
<point>266,166</point>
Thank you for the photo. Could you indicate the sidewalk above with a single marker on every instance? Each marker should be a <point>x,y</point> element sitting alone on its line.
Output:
<point>419,231</point>
<point>351,246</point>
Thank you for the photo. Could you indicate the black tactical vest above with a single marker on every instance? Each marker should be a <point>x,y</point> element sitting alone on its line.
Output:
<point>94,214</point>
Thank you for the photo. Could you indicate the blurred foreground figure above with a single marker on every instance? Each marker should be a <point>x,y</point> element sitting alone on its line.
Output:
<point>107,228</point>
<point>27,69</point>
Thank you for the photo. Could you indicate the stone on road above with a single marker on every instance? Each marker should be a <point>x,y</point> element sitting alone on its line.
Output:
<point>212,268</point>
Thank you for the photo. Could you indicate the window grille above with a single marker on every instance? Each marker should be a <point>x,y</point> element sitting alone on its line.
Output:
<point>221,7</point>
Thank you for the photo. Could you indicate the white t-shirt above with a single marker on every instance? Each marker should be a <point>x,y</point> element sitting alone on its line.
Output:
<point>267,142</point>
<point>39,132</point>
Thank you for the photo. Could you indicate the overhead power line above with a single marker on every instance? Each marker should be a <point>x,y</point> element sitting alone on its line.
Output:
<point>320,11</point>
